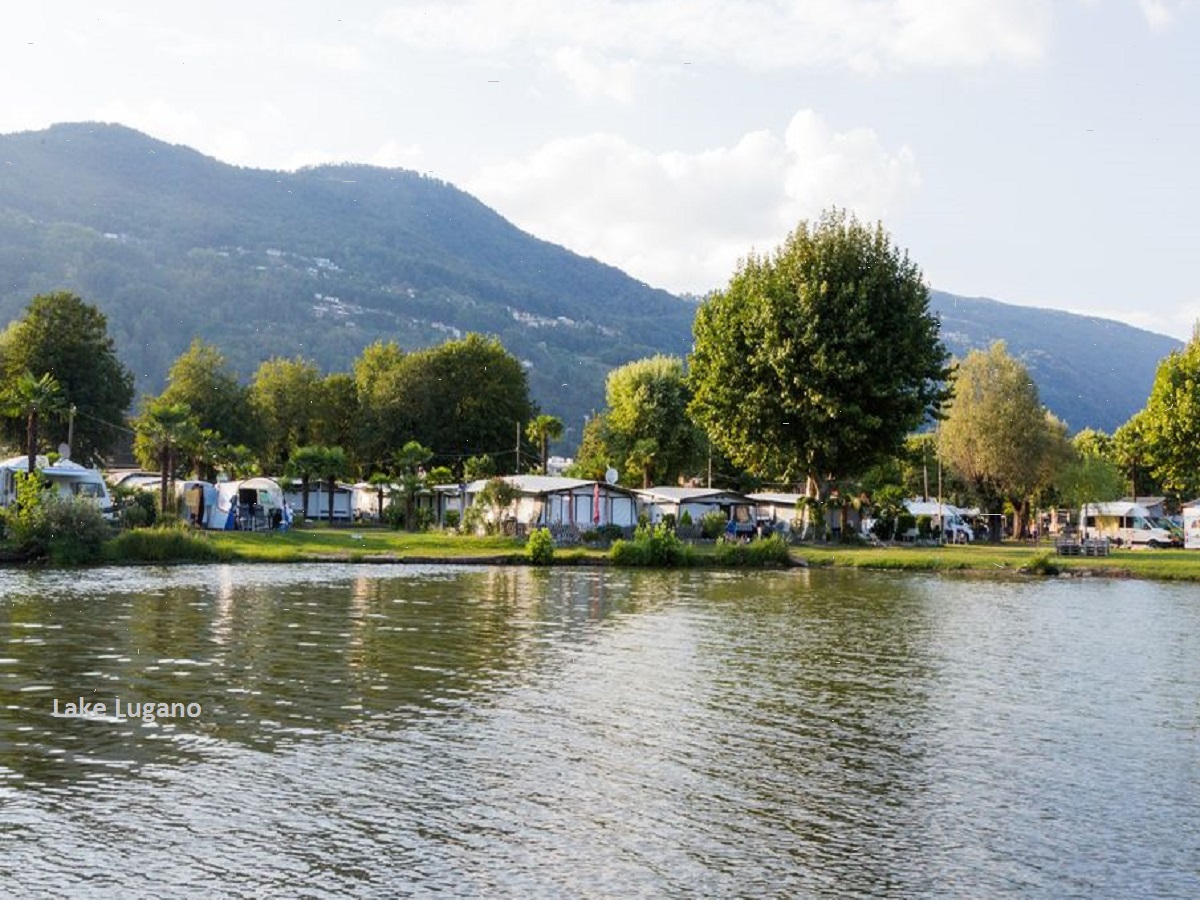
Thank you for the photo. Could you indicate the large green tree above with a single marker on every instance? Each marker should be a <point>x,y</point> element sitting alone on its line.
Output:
<point>62,336</point>
<point>817,360</point>
<point>463,398</point>
<point>647,425</point>
<point>286,395</point>
<point>201,378</point>
<point>1165,435</point>
<point>997,435</point>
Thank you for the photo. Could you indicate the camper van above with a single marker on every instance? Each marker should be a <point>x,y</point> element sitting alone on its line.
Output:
<point>70,479</point>
<point>944,516</point>
<point>1125,523</point>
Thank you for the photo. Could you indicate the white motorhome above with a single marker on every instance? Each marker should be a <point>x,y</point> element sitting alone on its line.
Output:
<point>1125,523</point>
<point>944,516</point>
<point>69,479</point>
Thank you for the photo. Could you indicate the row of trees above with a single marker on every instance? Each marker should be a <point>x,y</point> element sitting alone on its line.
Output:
<point>449,411</point>
<point>817,367</point>
<point>820,367</point>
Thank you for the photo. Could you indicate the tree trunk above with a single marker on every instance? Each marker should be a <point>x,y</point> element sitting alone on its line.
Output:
<point>164,463</point>
<point>304,498</point>
<point>1021,518</point>
<point>31,438</point>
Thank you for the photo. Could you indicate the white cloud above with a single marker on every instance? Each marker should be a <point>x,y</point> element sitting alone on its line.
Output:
<point>682,220</point>
<point>595,76</point>
<point>755,34</point>
<point>157,118</point>
<point>1157,12</point>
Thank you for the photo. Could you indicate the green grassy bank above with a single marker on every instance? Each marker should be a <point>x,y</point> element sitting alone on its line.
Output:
<point>322,544</point>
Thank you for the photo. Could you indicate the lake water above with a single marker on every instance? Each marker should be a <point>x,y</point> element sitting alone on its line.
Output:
<point>374,731</point>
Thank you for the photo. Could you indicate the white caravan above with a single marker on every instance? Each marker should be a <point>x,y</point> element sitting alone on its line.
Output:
<point>955,530</point>
<point>69,479</point>
<point>1125,523</point>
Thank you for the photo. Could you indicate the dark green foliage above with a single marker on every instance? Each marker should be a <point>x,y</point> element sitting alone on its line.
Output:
<point>62,336</point>
<point>450,519</point>
<point>138,509</point>
<point>712,525</point>
<point>768,552</point>
<point>816,361</point>
<point>653,546</point>
<point>172,244</point>
<point>66,531</point>
<point>540,547</point>
<point>602,534</point>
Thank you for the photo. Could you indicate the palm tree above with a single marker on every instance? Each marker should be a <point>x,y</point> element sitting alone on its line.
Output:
<point>408,462</point>
<point>33,398</point>
<point>162,430</point>
<point>305,464</point>
<point>334,464</point>
<point>542,431</point>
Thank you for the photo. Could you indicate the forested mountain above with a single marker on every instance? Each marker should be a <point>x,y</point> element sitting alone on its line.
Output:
<point>171,245</point>
<point>1092,373</point>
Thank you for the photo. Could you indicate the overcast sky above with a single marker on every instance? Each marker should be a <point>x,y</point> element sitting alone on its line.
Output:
<point>1041,152</point>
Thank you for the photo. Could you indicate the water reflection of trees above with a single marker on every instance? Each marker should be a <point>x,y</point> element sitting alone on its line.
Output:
<point>825,696</point>
<point>271,664</point>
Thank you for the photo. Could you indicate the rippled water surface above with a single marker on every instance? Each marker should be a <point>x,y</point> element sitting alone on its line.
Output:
<point>389,731</point>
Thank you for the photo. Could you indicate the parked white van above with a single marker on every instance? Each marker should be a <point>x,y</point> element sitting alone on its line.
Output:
<point>1125,523</point>
<point>942,515</point>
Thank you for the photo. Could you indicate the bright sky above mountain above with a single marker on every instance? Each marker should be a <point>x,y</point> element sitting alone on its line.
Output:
<point>1041,152</point>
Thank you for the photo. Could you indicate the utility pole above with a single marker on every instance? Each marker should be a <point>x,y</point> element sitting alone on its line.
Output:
<point>517,470</point>
<point>70,430</point>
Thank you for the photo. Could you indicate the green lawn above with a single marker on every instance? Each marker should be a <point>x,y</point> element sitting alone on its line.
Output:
<point>1006,557</point>
<point>321,543</point>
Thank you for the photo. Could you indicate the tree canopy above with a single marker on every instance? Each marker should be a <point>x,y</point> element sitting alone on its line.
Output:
<point>818,360</point>
<point>201,378</point>
<point>647,425</point>
<point>997,435</point>
<point>463,398</point>
<point>1165,435</point>
<point>62,336</point>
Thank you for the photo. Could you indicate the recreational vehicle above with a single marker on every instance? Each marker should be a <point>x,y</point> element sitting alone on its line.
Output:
<point>1125,523</point>
<point>69,479</point>
<point>948,518</point>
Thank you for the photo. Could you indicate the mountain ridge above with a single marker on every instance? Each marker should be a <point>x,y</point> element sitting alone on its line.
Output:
<point>172,244</point>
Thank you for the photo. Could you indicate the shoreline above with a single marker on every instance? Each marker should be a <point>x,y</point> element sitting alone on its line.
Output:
<point>383,547</point>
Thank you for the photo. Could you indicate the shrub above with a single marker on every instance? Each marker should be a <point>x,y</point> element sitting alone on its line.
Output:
<point>1042,564</point>
<point>423,518</point>
<point>686,519</point>
<point>657,546</point>
<point>712,525</point>
<point>770,551</point>
<point>137,508</point>
<point>905,522</point>
<point>924,526</point>
<point>66,530</point>
<point>161,544</point>
<point>450,519</point>
<point>540,547</point>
